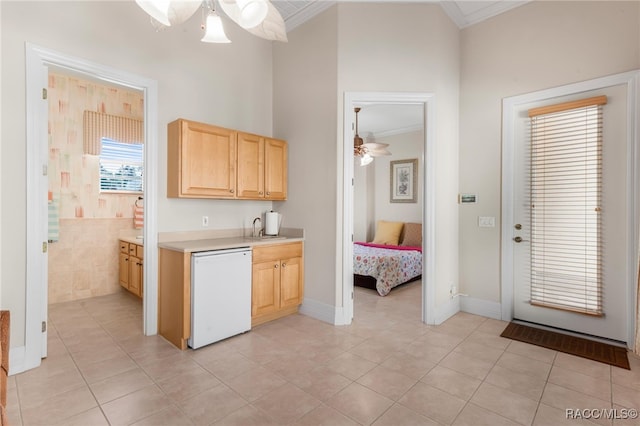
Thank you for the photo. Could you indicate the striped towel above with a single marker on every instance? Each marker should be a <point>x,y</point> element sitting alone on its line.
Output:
<point>138,216</point>
<point>54,219</point>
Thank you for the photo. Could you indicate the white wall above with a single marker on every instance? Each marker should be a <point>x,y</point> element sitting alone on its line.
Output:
<point>229,85</point>
<point>533,47</point>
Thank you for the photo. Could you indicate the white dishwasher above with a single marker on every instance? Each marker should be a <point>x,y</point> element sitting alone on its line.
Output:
<point>220,295</point>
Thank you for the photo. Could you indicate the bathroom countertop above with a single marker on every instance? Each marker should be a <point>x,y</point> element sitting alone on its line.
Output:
<point>132,240</point>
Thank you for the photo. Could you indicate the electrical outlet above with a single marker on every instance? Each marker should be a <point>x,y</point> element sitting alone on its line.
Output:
<point>205,221</point>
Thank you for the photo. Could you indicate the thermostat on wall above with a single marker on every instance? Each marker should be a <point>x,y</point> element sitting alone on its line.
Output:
<point>467,198</point>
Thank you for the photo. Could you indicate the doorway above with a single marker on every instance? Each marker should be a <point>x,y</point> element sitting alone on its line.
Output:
<point>520,299</point>
<point>95,173</point>
<point>427,103</point>
<point>38,61</point>
<point>401,128</point>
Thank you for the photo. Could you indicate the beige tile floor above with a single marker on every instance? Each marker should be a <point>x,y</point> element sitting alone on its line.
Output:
<point>385,369</point>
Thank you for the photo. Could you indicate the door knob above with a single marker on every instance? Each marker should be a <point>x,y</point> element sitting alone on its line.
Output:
<point>518,226</point>
<point>518,239</point>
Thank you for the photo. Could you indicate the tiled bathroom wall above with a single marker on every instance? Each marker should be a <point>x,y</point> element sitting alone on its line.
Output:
<point>84,261</point>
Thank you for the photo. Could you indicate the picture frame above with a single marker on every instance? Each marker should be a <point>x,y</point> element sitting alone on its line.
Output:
<point>404,181</point>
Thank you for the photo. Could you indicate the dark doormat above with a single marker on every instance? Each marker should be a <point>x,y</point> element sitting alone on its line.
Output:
<point>597,351</point>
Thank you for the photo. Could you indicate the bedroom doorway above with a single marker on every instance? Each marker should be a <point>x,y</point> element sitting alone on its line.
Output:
<point>425,104</point>
<point>388,191</point>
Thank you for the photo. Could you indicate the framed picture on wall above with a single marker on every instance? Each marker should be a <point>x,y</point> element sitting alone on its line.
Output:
<point>404,178</point>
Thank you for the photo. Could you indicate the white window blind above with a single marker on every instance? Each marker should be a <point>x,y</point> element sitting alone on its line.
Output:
<point>566,187</point>
<point>121,166</point>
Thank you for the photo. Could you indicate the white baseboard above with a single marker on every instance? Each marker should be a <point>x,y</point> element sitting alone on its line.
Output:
<point>322,311</point>
<point>481,307</point>
<point>447,310</point>
<point>17,360</point>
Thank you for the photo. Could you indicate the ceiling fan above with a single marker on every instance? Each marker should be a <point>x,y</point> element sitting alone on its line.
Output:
<point>367,150</point>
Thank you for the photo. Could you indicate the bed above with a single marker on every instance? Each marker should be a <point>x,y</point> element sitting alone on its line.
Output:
<point>382,265</point>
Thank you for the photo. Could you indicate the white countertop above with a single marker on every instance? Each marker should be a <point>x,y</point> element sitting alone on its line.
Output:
<point>195,245</point>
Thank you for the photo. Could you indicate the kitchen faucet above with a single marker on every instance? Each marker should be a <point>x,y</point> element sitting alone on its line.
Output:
<point>254,227</point>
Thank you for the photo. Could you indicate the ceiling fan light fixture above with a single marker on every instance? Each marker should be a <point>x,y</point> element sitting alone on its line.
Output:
<point>214,30</point>
<point>365,159</point>
<point>252,12</point>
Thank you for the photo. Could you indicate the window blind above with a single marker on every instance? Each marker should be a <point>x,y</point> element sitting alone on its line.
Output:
<point>565,195</point>
<point>97,125</point>
<point>121,166</point>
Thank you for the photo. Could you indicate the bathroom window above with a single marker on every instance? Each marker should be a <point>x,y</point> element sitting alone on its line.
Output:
<point>121,166</point>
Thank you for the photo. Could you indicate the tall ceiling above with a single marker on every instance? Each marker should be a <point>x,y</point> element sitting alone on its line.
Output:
<point>463,13</point>
<point>380,120</point>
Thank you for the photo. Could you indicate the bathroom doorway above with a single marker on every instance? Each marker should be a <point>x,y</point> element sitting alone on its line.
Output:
<point>39,61</point>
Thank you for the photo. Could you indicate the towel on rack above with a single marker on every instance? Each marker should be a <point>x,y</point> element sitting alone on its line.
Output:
<point>54,219</point>
<point>138,215</point>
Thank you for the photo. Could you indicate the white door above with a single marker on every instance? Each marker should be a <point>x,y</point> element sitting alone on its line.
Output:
<point>612,206</point>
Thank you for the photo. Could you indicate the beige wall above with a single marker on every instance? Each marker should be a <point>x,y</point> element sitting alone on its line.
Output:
<point>361,47</point>
<point>372,186</point>
<point>228,85</point>
<point>305,99</point>
<point>403,147</point>
<point>533,47</point>
<point>411,48</point>
<point>84,262</point>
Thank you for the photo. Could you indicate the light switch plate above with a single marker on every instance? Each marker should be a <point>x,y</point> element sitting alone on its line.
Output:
<point>486,222</point>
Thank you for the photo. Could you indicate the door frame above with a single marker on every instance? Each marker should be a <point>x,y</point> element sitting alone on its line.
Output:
<point>346,214</point>
<point>38,59</point>
<point>509,111</point>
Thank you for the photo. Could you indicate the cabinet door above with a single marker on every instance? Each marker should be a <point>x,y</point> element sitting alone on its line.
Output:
<point>250,166</point>
<point>291,282</point>
<point>208,159</point>
<point>265,288</point>
<point>124,270</point>
<point>275,169</point>
<point>135,275</point>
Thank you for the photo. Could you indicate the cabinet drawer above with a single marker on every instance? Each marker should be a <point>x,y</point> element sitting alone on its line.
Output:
<point>124,247</point>
<point>276,252</point>
<point>139,251</point>
<point>132,249</point>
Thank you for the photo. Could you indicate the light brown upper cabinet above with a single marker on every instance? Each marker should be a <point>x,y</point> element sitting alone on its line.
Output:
<point>262,167</point>
<point>275,169</point>
<point>201,160</point>
<point>206,161</point>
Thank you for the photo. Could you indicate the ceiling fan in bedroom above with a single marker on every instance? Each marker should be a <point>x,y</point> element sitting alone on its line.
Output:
<point>367,150</point>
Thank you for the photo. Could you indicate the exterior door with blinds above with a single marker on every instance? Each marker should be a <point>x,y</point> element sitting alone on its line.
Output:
<point>570,232</point>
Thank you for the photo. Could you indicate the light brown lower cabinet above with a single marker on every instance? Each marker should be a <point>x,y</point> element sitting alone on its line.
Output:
<point>276,288</point>
<point>131,267</point>
<point>277,285</point>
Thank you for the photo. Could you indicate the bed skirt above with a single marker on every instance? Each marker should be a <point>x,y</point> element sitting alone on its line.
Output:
<point>370,282</point>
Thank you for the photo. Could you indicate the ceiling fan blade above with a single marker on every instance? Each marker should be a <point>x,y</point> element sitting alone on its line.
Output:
<point>376,149</point>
